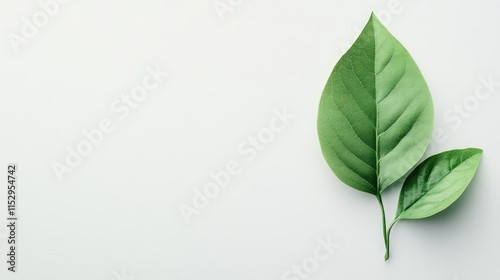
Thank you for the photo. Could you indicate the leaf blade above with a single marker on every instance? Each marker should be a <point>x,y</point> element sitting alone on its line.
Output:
<point>375,115</point>
<point>436,183</point>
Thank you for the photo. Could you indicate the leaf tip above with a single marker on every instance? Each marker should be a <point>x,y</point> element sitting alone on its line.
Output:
<point>373,17</point>
<point>476,151</point>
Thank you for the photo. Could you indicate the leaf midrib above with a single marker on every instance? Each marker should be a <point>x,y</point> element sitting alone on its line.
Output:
<point>377,160</point>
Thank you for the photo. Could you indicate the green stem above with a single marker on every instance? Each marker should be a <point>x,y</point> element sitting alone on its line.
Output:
<point>389,235</point>
<point>384,226</point>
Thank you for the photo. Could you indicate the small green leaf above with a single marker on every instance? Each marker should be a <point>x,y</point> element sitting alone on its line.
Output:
<point>436,183</point>
<point>376,114</point>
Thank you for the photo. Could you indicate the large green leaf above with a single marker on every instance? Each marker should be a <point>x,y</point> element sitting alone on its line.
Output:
<point>436,183</point>
<point>376,115</point>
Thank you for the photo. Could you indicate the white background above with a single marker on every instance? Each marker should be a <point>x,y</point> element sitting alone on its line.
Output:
<point>117,214</point>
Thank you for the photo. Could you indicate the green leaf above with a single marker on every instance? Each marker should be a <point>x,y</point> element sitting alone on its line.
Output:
<point>376,114</point>
<point>436,183</point>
